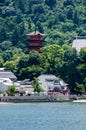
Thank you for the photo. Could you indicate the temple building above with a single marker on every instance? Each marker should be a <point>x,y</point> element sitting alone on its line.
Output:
<point>35,40</point>
<point>79,42</point>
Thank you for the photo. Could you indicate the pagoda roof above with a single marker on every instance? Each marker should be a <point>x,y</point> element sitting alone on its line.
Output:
<point>35,33</point>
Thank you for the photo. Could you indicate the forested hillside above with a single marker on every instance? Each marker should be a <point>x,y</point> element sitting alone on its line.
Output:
<point>61,21</point>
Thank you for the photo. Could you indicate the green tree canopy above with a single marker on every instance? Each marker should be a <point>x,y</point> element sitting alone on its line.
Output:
<point>50,3</point>
<point>11,90</point>
<point>51,57</point>
<point>5,45</point>
<point>34,58</point>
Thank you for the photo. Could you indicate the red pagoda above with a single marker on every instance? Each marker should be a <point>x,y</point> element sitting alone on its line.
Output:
<point>35,41</point>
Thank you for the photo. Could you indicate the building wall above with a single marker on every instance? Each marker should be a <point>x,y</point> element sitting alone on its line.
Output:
<point>78,44</point>
<point>45,84</point>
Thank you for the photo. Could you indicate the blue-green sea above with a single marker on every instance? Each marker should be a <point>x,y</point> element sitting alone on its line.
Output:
<point>43,116</point>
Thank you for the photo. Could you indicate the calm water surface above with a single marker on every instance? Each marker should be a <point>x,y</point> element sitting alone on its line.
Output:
<point>43,116</point>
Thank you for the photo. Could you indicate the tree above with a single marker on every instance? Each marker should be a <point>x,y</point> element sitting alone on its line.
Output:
<point>50,3</point>
<point>36,85</point>
<point>51,21</point>
<point>83,55</point>
<point>3,34</point>
<point>70,12</point>
<point>68,69</point>
<point>68,2</point>
<point>23,62</point>
<point>21,5</point>
<point>18,19</point>
<point>82,65</point>
<point>34,58</point>
<point>15,36</point>
<point>51,57</point>
<point>1,61</point>
<point>68,26</point>
<point>1,92</point>
<point>22,67</point>
<point>28,65</point>
<point>34,71</point>
<point>5,45</point>
<point>29,72</point>
<point>38,9</point>
<point>11,90</point>
<point>22,73</point>
<point>11,65</point>
<point>84,83</point>
<point>40,27</point>
<point>79,89</point>
<point>6,55</point>
<point>76,17</point>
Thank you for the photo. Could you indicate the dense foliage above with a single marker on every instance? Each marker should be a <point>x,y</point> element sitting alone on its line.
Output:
<point>11,90</point>
<point>36,86</point>
<point>60,20</point>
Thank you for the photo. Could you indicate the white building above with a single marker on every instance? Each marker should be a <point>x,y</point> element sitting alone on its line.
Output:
<point>51,82</point>
<point>78,43</point>
<point>3,87</point>
<point>6,79</point>
<point>26,89</point>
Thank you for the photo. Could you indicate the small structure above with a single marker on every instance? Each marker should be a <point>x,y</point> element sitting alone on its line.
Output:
<point>51,83</point>
<point>35,41</point>
<point>79,42</point>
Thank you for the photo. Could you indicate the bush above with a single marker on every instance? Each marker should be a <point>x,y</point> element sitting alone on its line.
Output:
<point>11,90</point>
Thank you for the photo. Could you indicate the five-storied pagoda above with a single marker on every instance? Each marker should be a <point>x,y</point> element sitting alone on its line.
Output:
<point>35,41</point>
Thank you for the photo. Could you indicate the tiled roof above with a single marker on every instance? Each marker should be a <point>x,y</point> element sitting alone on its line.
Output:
<point>7,74</point>
<point>48,76</point>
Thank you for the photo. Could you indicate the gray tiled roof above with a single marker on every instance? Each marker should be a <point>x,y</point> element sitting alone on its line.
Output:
<point>7,74</point>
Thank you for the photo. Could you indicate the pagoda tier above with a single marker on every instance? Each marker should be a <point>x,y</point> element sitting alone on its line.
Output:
<point>35,42</point>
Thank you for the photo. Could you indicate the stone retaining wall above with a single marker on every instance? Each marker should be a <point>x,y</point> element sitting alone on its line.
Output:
<point>32,98</point>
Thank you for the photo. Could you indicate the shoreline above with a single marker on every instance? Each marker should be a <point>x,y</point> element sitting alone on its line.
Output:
<point>41,99</point>
<point>1,103</point>
<point>79,100</point>
<point>15,102</point>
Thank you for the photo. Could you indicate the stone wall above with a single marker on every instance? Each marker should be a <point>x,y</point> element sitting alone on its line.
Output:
<point>33,98</point>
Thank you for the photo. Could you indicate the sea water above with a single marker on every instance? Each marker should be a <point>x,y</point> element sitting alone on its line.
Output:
<point>43,116</point>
